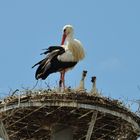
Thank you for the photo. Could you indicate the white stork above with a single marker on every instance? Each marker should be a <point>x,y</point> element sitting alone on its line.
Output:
<point>61,58</point>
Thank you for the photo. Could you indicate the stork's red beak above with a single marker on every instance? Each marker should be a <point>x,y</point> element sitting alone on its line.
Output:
<point>63,38</point>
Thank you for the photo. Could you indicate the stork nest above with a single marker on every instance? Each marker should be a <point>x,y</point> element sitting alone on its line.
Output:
<point>33,114</point>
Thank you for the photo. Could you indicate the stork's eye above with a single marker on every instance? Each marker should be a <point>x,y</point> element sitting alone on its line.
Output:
<point>64,30</point>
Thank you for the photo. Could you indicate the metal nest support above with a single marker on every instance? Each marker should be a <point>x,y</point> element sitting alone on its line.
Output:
<point>42,115</point>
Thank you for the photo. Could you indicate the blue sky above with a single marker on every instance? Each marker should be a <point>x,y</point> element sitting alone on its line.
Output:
<point>108,29</point>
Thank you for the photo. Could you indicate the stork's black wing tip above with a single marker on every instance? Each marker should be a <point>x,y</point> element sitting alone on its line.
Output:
<point>42,53</point>
<point>45,49</point>
<point>33,66</point>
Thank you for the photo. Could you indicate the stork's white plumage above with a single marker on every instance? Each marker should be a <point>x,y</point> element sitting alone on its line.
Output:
<point>73,47</point>
<point>61,58</point>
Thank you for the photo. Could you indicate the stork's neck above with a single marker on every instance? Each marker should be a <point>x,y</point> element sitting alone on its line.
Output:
<point>70,37</point>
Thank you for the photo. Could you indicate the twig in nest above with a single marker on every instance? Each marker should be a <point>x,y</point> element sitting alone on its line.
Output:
<point>14,92</point>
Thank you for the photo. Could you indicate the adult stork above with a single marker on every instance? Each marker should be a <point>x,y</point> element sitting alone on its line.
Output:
<point>61,58</point>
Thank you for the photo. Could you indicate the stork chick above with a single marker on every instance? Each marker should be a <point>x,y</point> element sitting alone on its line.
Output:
<point>94,90</point>
<point>82,82</point>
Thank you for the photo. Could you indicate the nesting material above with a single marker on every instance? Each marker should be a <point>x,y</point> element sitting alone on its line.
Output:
<point>39,111</point>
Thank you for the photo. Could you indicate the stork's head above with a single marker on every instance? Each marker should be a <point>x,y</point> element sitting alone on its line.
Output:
<point>67,32</point>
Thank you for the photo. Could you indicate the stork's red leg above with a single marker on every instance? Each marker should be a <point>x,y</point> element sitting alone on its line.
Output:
<point>60,81</point>
<point>63,79</point>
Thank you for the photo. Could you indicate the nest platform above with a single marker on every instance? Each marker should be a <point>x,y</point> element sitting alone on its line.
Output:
<point>33,114</point>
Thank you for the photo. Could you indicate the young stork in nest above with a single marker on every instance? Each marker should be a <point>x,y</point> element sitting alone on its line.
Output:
<point>61,58</point>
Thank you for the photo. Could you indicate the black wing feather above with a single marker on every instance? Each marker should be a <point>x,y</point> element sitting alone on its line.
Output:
<point>54,66</point>
<point>52,48</point>
<point>44,68</point>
